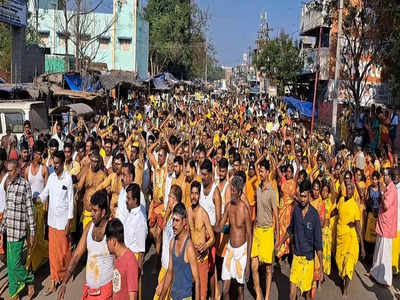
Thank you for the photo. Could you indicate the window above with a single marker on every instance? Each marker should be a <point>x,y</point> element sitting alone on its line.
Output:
<point>104,43</point>
<point>44,37</point>
<point>15,120</point>
<point>125,44</point>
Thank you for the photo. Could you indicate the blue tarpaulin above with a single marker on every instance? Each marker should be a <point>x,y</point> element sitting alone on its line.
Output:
<point>77,83</point>
<point>303,107</point>
<point>74,82</point>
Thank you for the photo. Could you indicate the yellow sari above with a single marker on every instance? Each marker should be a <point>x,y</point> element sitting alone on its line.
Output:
<point>285,213</point>
<point>347,241</point>
<point>40,251</point>
<point>327,235</point>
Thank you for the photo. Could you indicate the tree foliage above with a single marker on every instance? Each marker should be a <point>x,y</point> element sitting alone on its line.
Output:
<point>177,38</point>
<point>363,44</point>
<point>279,59</point>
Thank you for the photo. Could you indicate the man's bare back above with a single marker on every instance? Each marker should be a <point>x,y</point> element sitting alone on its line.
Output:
<point>238,214</point>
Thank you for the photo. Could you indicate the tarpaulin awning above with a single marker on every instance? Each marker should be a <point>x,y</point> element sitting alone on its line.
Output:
<point>303,107</point>
<point>79,108</point>
<point>74,81</point>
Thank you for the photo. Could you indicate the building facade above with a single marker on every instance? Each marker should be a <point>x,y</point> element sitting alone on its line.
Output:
<point>116,34</point>
<point>315,31</point>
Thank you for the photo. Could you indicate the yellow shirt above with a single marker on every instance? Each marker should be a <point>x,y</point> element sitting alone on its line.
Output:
<point>250,189</point>
<point>348,211</point>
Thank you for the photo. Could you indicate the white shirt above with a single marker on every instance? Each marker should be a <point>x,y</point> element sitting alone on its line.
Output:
<point>122,210</point>
<point>168,182</point>
<point>3,193</point>
<point>60,142</point>
<point>61,200</point>
<point>168,234</point>
<point>135,231</point>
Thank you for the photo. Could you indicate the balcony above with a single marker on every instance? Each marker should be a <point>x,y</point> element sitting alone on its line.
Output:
<point>311,20</point>
<point>310,61</point>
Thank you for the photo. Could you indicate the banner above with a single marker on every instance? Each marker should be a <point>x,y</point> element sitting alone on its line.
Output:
<point>13,12</point>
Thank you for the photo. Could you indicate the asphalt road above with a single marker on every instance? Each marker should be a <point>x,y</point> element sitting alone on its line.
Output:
<point>361,287</point>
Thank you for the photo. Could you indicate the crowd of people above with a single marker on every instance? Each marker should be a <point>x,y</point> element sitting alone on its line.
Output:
<point>222,188</point>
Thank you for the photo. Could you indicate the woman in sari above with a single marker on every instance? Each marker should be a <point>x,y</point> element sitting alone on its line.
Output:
<point>359,196</point>
<point>319,205</point>
<point>328,196</point>
<point>373,202</point>
<point>348,236</point>
<point>288,188</point>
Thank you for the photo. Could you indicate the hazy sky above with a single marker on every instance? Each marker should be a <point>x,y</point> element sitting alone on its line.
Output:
<point>234,23</point>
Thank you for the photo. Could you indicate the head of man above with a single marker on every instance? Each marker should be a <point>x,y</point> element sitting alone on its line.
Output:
<point>58,128</point>
<point>305,191</point>
<point>237,188</point>
<point>132,196</point>
<point>59,160</point>
<point>100,208</point>
<point>195,189</point>
<point>162,156</point>
<point>174,196</point>
<point>316,189</point>
<point>69,139</point>
<point>88,145</point>
<point>223,168</point>
<point>206,173</point>
<point>27,128</point>
<point>288,147</point>
<point>179,220</point>
<point>349,189</point>
<point>38,149</point>
<point>121,140</point>
<point>236,163</point>
<point>220,153</point>
<point>114,235</point>
<point>12,169</point>
<point>53,146</point>
<point>107,146</point>
<point>95,161</point>
<point>348,177</point>
<point>24,151</point>
<point>68,149</point>
<point>396,175</point>
<point>252,170</point>
<point>128,174</point>
<point>134,153</point>
<point>190,171</point>
<point>387,176</point>
<point>264,169</point>
<point>115,133</point>
<point>81,150</point>
<point>178,166</point>
<point>117,163</point>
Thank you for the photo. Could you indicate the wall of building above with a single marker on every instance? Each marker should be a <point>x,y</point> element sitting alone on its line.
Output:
<point>120,45</point>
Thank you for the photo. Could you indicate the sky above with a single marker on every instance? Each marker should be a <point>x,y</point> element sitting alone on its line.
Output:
<point>234,24</point>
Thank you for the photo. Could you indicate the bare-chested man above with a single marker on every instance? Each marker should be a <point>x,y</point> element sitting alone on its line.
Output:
<point>202,236</point>
<point>90,180</point>
<point>236,263</point>
<point>210,200</point>
<point>113,183</point>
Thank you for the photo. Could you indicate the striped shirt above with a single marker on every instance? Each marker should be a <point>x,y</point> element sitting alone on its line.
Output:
<point>18,214</point>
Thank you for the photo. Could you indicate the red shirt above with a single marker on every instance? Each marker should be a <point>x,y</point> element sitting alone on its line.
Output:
<point>386,225</point>
<point>125,277</point>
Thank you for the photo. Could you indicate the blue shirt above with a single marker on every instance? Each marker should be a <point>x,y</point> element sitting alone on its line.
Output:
<point>307,233</point>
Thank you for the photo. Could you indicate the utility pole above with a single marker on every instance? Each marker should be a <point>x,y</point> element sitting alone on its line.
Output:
<point>316,78</point>
<point>205,68</point>
<point>337,69</point>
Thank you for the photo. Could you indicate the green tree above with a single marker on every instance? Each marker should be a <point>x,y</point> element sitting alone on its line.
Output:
<point>279,59</point>
<point>177,39</point>
<point>5,47</point>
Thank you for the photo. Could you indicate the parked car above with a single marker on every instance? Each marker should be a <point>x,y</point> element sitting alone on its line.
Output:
<point>14,113</point>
